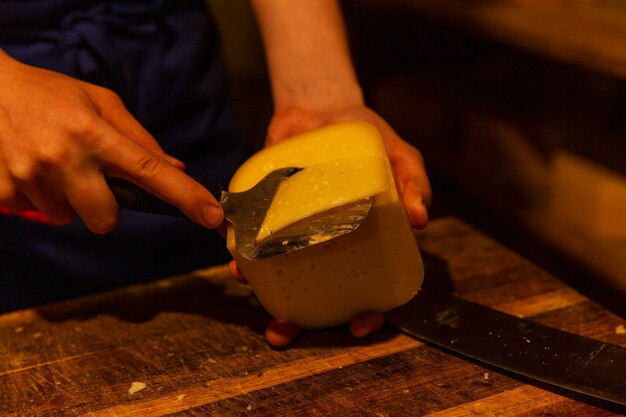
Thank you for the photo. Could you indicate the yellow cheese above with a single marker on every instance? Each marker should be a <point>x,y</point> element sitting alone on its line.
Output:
<point>374,268</point>
<point>322,187</point>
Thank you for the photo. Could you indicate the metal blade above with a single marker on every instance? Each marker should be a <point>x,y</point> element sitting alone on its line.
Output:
<point>317,229</point>
<point>580,364</point>
<point>247,210</point>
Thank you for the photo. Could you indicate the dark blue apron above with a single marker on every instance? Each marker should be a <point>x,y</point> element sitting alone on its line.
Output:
<point>163,59</point>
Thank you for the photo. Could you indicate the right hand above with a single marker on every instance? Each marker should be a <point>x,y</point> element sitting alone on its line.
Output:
<point>60,137</point>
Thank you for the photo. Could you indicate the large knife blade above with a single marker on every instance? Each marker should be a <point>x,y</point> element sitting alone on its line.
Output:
<point>566,360</point>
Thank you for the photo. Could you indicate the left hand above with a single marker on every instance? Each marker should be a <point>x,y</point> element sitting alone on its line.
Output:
<point>406,161</point>
<point>408,168</point>
<point>313,84</point>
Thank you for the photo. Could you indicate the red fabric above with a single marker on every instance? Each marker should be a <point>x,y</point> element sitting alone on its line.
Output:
<point>31,215</point>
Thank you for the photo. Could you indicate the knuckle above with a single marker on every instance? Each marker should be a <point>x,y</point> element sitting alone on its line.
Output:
<point>84,124</point>
<point>53,156</point>
<point>188,192</point>
<point>108,96</point>
<point>149,166</point>
<point>23,173</point>
<point>46,162</point>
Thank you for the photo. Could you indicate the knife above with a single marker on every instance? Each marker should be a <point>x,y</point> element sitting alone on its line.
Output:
<point>572,362</point>
<point>246,211</point>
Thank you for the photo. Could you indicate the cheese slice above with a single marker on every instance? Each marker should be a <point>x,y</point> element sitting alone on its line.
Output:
<point>374,268</point>
<point>322,187</point>
<point>328,143</point>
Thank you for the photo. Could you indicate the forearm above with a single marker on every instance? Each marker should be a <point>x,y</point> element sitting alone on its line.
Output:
<point>307,54</point>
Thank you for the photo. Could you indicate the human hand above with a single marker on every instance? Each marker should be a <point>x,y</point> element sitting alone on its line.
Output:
<point>406,161</point>
<point>59,139</point>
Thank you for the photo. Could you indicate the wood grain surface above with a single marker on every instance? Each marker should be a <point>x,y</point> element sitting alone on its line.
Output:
<point>196,342</point>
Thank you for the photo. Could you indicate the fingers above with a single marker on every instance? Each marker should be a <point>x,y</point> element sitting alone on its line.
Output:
<point>156,175</point>
<point>60,136</point>
<point>64,183</point>
<point>25,188</point>
<point>17,204</point>
<point>408,168</point>
<point>280,333</point>
<point>148,166</point>
<point>366,323</point>
<point>94,203</point>
<point>52,204</point>
<point>236,273</point>
<point>416,206</point>
<point>414,185</point>
<point>10,197</point>
<point>21,190</point>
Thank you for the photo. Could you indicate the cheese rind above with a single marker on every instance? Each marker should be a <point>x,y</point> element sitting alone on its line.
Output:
<point>374,268</point>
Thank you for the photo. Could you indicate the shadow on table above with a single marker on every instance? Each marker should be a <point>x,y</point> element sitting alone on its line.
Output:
<point>193,294</point>
<point>220,300</point>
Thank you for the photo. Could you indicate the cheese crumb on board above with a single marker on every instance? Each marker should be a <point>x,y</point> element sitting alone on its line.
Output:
<point>620,329</point>
<point>136,387</point>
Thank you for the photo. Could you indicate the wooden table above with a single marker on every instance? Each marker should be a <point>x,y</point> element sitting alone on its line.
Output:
<point>196,342</point>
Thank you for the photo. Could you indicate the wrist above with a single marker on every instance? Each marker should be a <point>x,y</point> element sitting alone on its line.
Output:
<point>316,80</point>
<point>318,96</point>
<point>307,55</point>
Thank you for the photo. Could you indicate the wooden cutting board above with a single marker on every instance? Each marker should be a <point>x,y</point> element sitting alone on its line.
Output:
<point>193,346</point>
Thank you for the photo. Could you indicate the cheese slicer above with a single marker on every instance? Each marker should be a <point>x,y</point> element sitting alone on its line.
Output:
<point>246,211</point>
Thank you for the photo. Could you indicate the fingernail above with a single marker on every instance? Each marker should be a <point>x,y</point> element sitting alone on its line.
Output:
<point>212,216</point>
<point>425,211</point>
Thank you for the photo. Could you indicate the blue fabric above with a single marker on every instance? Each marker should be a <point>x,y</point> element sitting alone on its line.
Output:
<point>163,59</point>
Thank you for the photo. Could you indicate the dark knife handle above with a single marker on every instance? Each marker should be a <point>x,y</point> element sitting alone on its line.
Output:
<point>132,197</point>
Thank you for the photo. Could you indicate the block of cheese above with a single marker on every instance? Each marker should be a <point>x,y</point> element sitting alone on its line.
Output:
<point>374,268</point>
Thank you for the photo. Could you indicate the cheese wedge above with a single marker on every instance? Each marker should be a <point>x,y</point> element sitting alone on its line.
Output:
<point>374,268</point>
